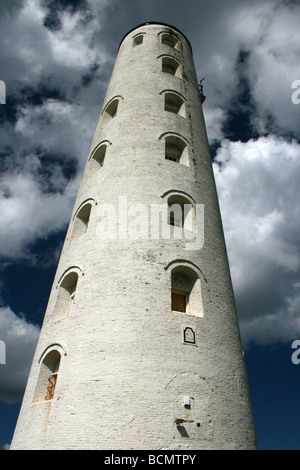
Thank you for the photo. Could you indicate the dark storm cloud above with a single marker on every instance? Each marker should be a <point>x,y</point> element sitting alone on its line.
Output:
<point>257,184</point>
<point>28,95</point>
<point>240,113</point>
<point>52,20</point>
<point>88,77</point>
<point>55,171</point>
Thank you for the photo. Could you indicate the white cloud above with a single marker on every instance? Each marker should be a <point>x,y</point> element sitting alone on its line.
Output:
<point>258,186</point>
<point>20,338</point>
<point>31,53</point>
<point>36,60</point>
<point>41,125</point>
<point>275,65</point>
<point>28,208</point>
<point>71,45</point>
<point>214,118</point>
<point>24,44</point>
<point>269,32</point>
<point>27,213</point>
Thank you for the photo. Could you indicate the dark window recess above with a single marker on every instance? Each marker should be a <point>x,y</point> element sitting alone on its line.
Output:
<point>173,159</point>
<point>51,388</point>
<point>138,40</point>
<point>175,220</point>
<point>178,302</point>
<point>112,108</point>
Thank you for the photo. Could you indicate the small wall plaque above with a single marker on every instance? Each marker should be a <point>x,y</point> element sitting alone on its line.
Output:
<point>189,335</point>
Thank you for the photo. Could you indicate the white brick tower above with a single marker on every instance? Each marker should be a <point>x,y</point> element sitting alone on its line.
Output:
<point>140,346</point>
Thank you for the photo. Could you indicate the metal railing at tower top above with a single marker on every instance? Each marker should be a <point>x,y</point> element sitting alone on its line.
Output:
<point>200,86</point>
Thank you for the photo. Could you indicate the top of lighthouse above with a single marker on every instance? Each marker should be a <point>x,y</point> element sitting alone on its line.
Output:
<point>158,24</point>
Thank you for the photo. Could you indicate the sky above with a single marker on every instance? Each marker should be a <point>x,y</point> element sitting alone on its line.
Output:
<point>56,58</point>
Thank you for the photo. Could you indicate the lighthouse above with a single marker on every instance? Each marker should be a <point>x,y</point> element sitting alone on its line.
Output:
<point>140,345</point>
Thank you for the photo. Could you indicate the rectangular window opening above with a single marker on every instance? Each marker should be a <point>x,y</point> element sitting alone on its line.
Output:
<point>172,159</point>
<point>51,387</point>
<point>178,302</point>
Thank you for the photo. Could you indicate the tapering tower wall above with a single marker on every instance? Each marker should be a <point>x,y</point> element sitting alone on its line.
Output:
<point>140,339</point>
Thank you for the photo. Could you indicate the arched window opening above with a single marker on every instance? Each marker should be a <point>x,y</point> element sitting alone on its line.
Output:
<point>97,160</point>
<point>174,104</point>
<point>81,221</point>
<point>66,295</point>
<point>137,40</point>
<point>112,108</point>
<point>176,150</point>
<point>181,212</point>
<point>176,215</point>
<point>47,379</point>
<point>171,66</point>
<point>170,40</point>
<point>186,296</point>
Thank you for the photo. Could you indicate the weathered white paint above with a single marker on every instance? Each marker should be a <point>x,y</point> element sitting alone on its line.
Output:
<point>125,367</point>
